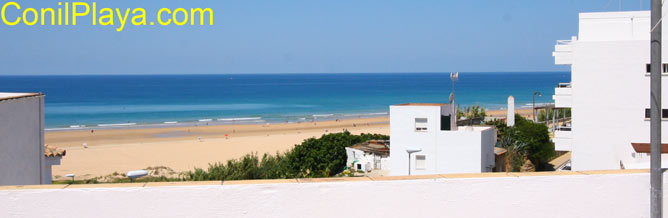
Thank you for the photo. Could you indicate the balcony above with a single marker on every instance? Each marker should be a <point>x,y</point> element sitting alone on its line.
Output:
<point>563,51</point>
<point>563,97</point>
<point>563,139</point>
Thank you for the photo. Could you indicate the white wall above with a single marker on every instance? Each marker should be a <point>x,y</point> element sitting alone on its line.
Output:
<point>403,135</point>
<point>580,195</point>
<point>610,90</point>
<point>21,141</point>
<point>457,151</point>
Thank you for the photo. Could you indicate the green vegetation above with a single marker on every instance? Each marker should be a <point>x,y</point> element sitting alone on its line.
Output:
<point>472,112</point>
<point>322,157</point>
<point>525,141</point>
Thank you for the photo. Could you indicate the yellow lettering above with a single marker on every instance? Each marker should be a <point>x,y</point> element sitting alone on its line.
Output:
<point>4,18</point>
<point>142,16</point>
<point>76,14</point>
<point>160,17</point>
<point>109,17</point>
<point>201,16</point>
<point>34,13</point>
<point>122,18</point>
<point>185,16</point>
<point>94,14</point>
<point>53,15</point>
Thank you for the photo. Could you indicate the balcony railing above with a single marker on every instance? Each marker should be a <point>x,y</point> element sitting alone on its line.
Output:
<point>564,85</point>
<point>564,42</point>
<point>563,128</point>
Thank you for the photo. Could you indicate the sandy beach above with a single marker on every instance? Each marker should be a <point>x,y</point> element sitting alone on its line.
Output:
<point>179,148</point>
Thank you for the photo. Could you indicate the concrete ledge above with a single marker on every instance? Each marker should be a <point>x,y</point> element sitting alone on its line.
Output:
<point>600,172</point>
<point>333,179</point>
<point>106,185</point>
<point>391,178</point>
<point>259,181</point>
<point>476,175</point>
<point>189,183</point>
<point>54,186</point>
<point>329,179</point>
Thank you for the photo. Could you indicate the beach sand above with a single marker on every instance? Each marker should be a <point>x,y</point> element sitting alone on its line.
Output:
<point>122,150</point>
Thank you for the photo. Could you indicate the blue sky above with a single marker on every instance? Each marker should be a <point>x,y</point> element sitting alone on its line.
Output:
<point>309,36</point>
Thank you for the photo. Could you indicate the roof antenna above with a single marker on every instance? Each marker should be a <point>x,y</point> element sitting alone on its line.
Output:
<point>454,77</point>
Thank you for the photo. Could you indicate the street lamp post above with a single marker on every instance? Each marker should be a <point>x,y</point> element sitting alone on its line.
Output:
<point>410,151</point>
<point>533,108</point>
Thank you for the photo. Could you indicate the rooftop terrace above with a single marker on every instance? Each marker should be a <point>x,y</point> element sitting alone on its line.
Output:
<point>616,193</point>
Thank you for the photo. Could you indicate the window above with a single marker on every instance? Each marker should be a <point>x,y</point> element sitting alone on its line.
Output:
<point>421,124</point>
<point>420,162</point>
<point>664,68</point>
<point>445,123</point>
<point>664,113</point>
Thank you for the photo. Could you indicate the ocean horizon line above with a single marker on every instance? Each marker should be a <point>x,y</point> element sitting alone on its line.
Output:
<point>298,73</point>
<point>112,99</point>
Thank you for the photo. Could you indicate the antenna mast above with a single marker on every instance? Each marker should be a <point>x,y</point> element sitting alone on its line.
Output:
<point>453,77</point>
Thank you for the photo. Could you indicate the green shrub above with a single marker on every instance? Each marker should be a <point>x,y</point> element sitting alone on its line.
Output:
<point>525,140</point>
<point>322,157</point>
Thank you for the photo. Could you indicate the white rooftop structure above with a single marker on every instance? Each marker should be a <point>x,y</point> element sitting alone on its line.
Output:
<point>609,93</point>
<point>425,139</point>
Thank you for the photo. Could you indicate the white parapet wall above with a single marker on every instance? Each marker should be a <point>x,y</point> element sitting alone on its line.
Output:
<point>620,193</point>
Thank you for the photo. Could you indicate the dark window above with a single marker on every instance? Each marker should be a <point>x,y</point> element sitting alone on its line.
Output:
<point>664,113</point>
<point>445,123</point>
<point>664,68</point>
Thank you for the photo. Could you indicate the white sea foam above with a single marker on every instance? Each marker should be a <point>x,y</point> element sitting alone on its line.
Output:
<point>240,119</point>
<point>55,129</point>
<point>205,120</point>
<point>117,124</point>
<point>323,115</point>
<point>171,122</point>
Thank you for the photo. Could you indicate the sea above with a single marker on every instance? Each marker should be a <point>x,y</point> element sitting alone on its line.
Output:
<point>108,101</point>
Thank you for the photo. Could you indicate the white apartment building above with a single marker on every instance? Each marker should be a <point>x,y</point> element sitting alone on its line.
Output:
<point>425,139</point>
<point>23,160</point>
<point>609,93</point>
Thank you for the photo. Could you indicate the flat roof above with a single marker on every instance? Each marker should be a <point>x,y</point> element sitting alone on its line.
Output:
<point>13,95</point>
<point>614,14</point>
<point>421,104</point>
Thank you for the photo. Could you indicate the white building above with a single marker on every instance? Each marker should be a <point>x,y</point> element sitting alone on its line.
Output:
<point>368,156</point>
<point>438,146</point>
<point>22,157</point>
<point>609,93</point>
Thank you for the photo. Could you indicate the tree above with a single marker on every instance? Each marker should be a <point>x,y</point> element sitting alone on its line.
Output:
<point>525,140</point>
